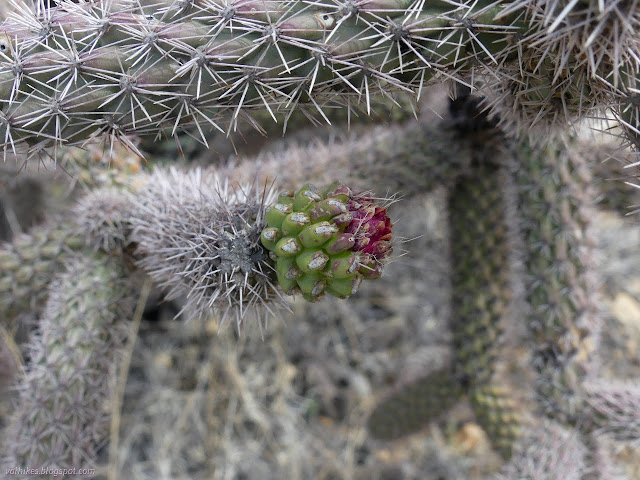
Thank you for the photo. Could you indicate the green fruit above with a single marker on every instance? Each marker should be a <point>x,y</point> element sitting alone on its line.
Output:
<point>326,241</point>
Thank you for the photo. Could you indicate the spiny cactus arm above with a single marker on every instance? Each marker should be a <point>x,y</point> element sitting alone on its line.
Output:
<point>29,260</point>
<point>27,264</point>
<point>238,248</point>
<point>481,246</point>
<point>573,56</point>
<point>61,418</point>
<point>116,68</point>
<point>555,205</point>
<point>593,40</point>
<point>481,267</point>
<point>411,407</point>
<point>480,251</point>
<point>548,451</point>
<point>195,234</point>
<point>408,159</point>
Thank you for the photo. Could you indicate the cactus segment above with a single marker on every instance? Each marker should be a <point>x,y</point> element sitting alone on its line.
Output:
<point>556,202</point>
<point>287,247</point>
<point>317,234</point>
<point>27,264</point>
<point>121,67</point>
<point>409,409</point>
<point>481,276</point>
<point>326,241</point>
<point>276,214</point>
<point>499,414</point>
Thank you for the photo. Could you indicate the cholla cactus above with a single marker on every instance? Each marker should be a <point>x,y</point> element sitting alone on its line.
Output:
<point>220,240</point>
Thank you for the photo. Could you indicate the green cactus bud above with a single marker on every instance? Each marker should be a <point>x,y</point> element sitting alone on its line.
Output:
<point>286,197</point>
<point>343,265</point>
<point>270,236</point>
<point>317,234</point>
<point>349,240</point>
<point>287,272</point>
<point>294,223</point>
<point>288,284</point>
<point>312,261</point>
<point>312,284</point>
<point>287,247</point>
<point>276,214</point>
<point>344,287</point>
<point>305,197</point>
<point>327,209</point>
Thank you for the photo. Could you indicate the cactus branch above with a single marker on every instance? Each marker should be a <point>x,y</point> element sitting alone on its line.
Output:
<point>556,199</point>
<point>62,414</point>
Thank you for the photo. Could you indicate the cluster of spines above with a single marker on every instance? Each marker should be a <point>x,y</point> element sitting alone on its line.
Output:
<point>548,451</point>
<point>614,408</point>
<point>198,237</point>
<point>326,241</point>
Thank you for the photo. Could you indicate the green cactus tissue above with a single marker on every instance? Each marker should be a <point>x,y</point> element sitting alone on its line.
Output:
<point>326,241</point>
